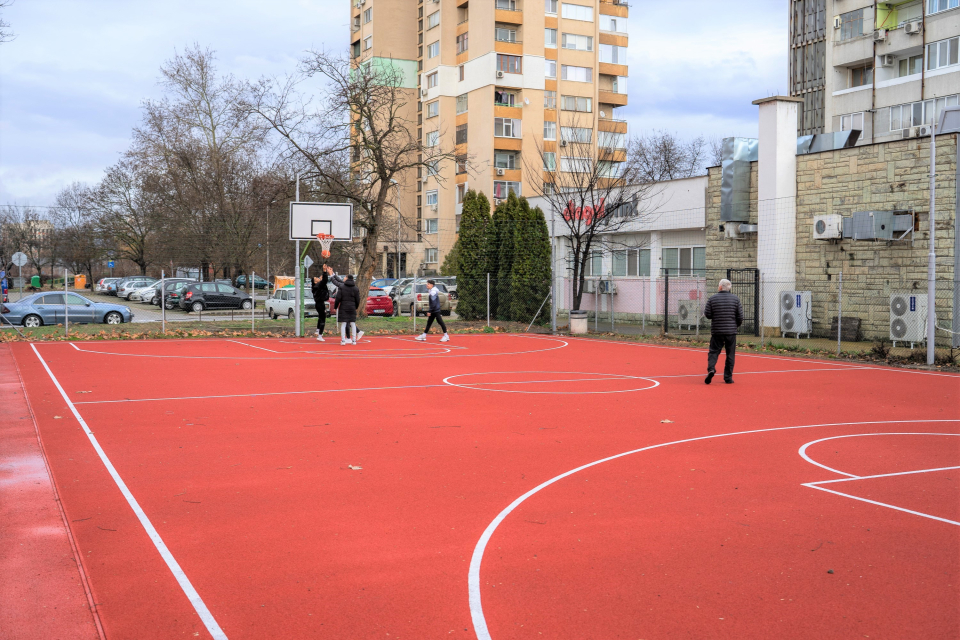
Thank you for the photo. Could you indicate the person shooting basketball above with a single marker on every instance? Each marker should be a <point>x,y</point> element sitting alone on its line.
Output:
<point>320,295</point>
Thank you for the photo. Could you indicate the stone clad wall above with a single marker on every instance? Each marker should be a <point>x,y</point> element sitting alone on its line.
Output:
<point>882,176</point>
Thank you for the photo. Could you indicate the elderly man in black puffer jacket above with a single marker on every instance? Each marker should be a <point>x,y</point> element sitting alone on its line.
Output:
<point>726,315</point>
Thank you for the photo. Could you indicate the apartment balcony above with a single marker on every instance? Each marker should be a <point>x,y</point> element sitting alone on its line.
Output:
<point>898,41</point>
<point>614,8</point>
<point>609,97</point>
<point>611,125</point>
<point>611,155</point>
<point>509,16</point>
<point>855,50</point>
<point>611,69</point>
<point>510,47</point>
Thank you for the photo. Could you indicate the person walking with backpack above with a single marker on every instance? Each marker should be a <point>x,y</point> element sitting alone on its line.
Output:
<point>347,302</point>
<point>435,313</point>
<point>725,313</point>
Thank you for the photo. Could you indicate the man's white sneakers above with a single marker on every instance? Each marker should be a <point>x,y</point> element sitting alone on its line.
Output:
<point>422,337</point>
<point>320,338</point>
<point>445,338</point>
<point>343,342</point>
<point>359,335</point>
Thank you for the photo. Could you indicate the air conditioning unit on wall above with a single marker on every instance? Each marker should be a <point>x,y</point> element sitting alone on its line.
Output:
<point>796,315</point>
<point>828,227</point>
<point>887,60</point>
<point>499,74</point>
<point>688,313</point>
<point>914,28</point>
<point>608,286</point>
<point>908,317</point>
<point>879,35</point>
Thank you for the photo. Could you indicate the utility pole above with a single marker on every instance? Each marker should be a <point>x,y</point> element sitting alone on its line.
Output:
<point>932,254</point>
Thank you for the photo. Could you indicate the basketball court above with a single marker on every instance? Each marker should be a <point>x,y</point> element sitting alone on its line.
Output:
<point>499,486</point>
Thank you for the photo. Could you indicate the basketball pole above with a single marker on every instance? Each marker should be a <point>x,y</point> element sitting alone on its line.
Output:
<point>296,277</point>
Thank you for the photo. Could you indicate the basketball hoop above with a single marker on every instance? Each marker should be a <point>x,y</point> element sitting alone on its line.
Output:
<point>325,240</point>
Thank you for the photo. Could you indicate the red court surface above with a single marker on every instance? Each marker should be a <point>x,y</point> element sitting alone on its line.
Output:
<point>502,486</point>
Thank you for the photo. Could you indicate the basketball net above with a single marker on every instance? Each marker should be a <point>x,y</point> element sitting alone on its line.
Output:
<point>325,241</point>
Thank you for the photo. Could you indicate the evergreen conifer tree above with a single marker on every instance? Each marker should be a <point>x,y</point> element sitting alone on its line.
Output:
<point>471,250</point>
<point>530,277</point>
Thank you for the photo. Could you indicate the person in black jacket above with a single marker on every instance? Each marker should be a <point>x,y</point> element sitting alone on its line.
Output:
<point>320,296</point>
<point>347,302</point>
<point>435,313</point>
<point>726,315</point>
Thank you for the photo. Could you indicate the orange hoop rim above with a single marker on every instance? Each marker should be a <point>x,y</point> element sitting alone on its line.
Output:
<point>325,240</point>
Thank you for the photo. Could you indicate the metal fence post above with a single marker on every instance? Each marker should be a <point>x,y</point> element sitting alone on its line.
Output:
<point>163,304</point>
<point>839,309</point>
<point>66,309</point>
<point>596,305</point>
<point>763,294</point>
<point>253,306</point>
<point>488,299</point>
<point>666,301</point>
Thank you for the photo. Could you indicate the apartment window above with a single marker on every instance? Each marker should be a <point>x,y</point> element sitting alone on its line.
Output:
<point>461,134</point>
<point>580,43</point>
<point>936,6</point>
<point>431,198</point>
<point>355,50</point>
<point>506,128</point>
<point>460,68</point>
<point>550,69</point>
<point>685,261</point>
<point>433,109</point>
<point>505,159</point>
<point>620,85</point>
<point>594,265</point>
<point>851,24</point>
<point>509,64</point>
<point>502,34</point>
<point>551,6</point>
<point>909,66</point>
<point>368,15</point>
<point>942,54</point>
<point>463,42</point>
<point>433,138</point>
<point>549,99</point>
<point>576,103</point>
<point>430,256</point>
<point>549,161</point>
<point>461,162</point>
<point>577,12</point>
<point>574,164</point>
<point>462,103</point>
<point>851,121</point>
<point>613,23</point>
<point>861,76</point>
<point>611,140</point>
<point>576,134</point>
<point>917,113</point>
<point>430,226</point>
<point>432,80</point>
<point>433,50</point>
<point>433,20</point>
<point>550,38</point>
<point>576,74</point>
<point>610,169</point>
<point>613,54</point>
<point>433,167</point>
<point>461,193</point>
<point>618,263</point>
<point>549,130</point>
<point>502,188</point>
<point>505,98</point>
<point>367,42</point>
<point>509,5</point>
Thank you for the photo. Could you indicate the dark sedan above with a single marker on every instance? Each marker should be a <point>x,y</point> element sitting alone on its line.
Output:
<point>48,308</point>
<point>258,282</point>
<point>213,295</point>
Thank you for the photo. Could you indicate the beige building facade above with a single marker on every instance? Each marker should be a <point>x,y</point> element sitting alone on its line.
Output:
<point>500,83</point>
<point>883,68</point>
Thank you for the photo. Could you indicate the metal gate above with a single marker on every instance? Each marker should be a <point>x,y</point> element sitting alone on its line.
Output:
<point>746,286</point>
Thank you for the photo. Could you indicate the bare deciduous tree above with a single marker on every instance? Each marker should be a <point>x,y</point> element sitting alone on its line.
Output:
<point>661,155</point>
<point>591,187</point>
<point>127,204</point>
<point>76,229</point>
<point>6,35</point>
<point>27,230</point>
<point>355,140</point>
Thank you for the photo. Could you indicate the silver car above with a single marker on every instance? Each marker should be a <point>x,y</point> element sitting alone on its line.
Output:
<point>48,309</point>
<point>144,294</point>
<point>405,301</point>
<point>128,287</point>
<point>283,303</point>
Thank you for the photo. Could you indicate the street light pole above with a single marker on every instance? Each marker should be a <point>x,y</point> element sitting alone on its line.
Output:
<point>932,254</point>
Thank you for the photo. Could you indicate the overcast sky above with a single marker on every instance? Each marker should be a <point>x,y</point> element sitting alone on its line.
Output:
<point>72,81</point>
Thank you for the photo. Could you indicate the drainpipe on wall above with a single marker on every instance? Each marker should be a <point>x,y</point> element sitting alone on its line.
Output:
<point>923,55</point>
<point>873,90</point>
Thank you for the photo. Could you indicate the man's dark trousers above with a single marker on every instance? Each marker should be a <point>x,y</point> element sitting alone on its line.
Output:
<point>719,342</point>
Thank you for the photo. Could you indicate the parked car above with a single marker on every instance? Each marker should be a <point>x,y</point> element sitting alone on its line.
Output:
<point>258,283</point>
<point>383,283</point>
<point>48,308</point>
<point>173,288</point>
<point>224,281</point>
<point>379,303</point>
<point>126,287</point>
<point>406,298</point>
<point>102,284</point>
<point>283,303</point>
<point>394,290</point>
<point>213,295</point>
<point>144,294</point>
<point>451,284</point>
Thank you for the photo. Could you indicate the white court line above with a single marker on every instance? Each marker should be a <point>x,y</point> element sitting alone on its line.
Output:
<point>813,485</point>
<point>473,576</point>
<point>198,605</point>
<point>473,386</point>
<point>803,450</point>
<point>255,395</point>
<point>253,346</point>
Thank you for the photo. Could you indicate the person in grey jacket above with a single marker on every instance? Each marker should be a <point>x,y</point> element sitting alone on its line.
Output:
<point>435,313</point>
<point>726,315</point>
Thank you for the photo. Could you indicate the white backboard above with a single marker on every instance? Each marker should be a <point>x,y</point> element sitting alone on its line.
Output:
<point>307,219</point>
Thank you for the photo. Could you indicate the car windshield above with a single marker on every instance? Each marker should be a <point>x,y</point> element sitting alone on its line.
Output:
<point>376,293</point>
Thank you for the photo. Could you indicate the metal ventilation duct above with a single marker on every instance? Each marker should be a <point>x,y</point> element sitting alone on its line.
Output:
<point>736,157</point>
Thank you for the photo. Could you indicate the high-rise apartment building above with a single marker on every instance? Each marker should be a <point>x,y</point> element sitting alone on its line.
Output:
<point>502,83</point>
<point>880,67</point>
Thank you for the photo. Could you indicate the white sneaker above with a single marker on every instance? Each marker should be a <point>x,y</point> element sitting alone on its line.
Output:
<point>422,337</point>
<point>359,335</point>
<point>445,338</point>
<point>320,338</point>
<point>316,332</point>
<point>353,342</point>
<point>343,342</point>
